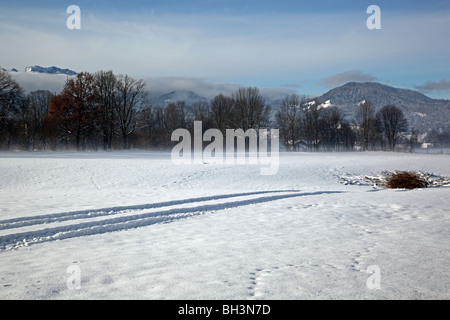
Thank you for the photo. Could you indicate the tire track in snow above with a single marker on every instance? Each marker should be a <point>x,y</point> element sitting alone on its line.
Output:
<point>132,221</point>
<point>84,214</point>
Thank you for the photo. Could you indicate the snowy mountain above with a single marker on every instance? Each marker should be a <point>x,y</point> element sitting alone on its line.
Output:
<point>422,112</point>
<point>50,70</point>
<point>12,70</point>
<point>187,96</point>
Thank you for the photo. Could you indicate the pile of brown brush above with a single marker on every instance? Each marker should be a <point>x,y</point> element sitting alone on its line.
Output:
<point>397,180</point>
<point>406,180</point>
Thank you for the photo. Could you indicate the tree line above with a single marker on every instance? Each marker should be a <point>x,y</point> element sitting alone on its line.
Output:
<point>112,112</point>
<point>313,126</point>
<point>105,111</point>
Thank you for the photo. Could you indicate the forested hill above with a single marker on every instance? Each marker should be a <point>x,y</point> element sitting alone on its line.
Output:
<point>421,111</point>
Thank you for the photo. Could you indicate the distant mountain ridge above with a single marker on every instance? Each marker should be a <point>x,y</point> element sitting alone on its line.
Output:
<point>422,112</point>
<point>50,70</point>
<point>12,70</point>
<point>187,96</point>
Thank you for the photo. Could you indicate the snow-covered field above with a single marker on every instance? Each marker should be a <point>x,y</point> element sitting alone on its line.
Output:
<point>135,226</point>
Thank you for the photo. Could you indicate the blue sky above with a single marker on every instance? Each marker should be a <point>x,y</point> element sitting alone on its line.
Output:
<point>304,46</point>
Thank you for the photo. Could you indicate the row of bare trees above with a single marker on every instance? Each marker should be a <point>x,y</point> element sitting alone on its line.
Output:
<point>21,115</point>
<point>308,125</point>
<point>439,138</point>
<point>108,111</point>
<point>380,129</point>
<point>244,109</point>
<point>314,126</point>
<point>91,109</point>
<point>96,106</point>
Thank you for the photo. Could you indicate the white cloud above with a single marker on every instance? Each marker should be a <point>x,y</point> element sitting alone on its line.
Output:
<point>442,85</point>
<point>32,81</point>
<point>349,76</point>
<point>202,87</point>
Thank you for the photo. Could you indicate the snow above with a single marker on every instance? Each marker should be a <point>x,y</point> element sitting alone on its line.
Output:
<point>311,103</point>
<point>325,105</point>
<point>136,226</point>
<point>423,115</point>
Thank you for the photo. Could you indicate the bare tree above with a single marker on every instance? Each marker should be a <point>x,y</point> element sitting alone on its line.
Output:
<point>413,139</point>
<point>131,98</point>
<point>366,123</point>
<point>35,108</point>
<point>250,109</point>
<point>39,101</point>
<point>439,138</point>
<point>310,127</point>
<point>347,136</point>
<point>106,83</point>
<point>392,122</point>
<point>175,116</point>
<point>200,111</point>
<point>11,96</point>
<point>222,112</point>
<point>331,120</point>
<point>288,120</point>
<point>158,128</point>
<point>75,110</point>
